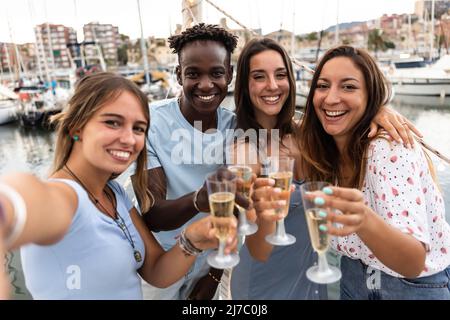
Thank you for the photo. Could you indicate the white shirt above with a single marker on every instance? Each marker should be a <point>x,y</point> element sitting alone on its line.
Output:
<point>399,187</point>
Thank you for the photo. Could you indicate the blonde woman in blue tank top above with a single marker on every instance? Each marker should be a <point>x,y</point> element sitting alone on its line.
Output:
<point>80,236</point>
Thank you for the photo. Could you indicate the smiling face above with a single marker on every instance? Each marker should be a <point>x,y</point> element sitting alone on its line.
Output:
<point>268,84</point>
<point>115,135</point>
<point>205,74</point>
<point>340,98</point>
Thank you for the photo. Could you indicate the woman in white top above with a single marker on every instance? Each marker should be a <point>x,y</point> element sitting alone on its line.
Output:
<point>394,237</point>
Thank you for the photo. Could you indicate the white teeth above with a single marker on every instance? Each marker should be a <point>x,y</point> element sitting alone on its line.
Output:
<point>334,113</point>
<point>120,154</point>
<point>271,99</point>
<point>206,98</point>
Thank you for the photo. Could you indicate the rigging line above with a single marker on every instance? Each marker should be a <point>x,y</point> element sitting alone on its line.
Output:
<point>231,18</point>
<point>432,150</point>
<point>295,61</point>
<point>188,9</point>
<point>311,71</point>
<point>39,62</point>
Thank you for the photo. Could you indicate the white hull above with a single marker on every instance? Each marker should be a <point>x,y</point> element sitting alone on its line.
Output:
<point>421,87</point>
<point>7,113</point>
<point>423,101</point>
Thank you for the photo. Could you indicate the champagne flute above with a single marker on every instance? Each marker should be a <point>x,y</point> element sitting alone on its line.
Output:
<point>317,227</point>
<point>245,173</point>
<point>221,192</point>
<point>281,170</point>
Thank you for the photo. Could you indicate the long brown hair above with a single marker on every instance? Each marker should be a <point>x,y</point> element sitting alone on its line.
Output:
<point>244,108</point>
<point>91,93</point>
<point>320,156</point>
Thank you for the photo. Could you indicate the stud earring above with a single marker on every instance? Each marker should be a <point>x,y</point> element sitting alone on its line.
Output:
<point>76,138</point>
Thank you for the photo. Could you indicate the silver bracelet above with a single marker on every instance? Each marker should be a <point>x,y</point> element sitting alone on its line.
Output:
<point>19,212</point>
<point>195,200</point>
<point>186,245</point>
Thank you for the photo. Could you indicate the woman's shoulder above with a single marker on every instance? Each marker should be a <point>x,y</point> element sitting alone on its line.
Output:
<point>385,149</point>
<point>384,143</point>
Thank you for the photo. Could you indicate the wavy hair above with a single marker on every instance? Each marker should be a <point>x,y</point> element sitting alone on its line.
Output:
<point>244,107</point>
<point>92,93</point>
<point>320,156</point>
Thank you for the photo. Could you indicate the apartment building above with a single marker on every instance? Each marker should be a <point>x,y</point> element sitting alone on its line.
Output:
<point>105,35</point>
<point>52,45</point>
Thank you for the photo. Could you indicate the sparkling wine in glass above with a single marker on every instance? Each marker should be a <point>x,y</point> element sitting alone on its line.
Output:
<point>245,173</point>
<point>317,226</point>
<point>281,170</point>
<point>221,194</point>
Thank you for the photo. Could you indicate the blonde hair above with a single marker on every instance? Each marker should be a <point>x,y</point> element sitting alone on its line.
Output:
<point>91,94</point>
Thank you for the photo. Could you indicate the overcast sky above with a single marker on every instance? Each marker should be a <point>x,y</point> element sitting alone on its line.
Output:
<point>161,16</point>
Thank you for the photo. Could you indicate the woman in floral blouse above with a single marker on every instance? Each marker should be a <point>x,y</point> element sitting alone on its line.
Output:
<point>393,235</point>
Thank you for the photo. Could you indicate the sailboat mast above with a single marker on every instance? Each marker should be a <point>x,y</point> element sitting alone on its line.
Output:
<point>50,45</point>
<point>409,33</point>
<point>38,60</point>
<point>192,11</point>
<point>432,31</point>
<point>16,50</point>
<point>143,46</point>
<point>8,59</point>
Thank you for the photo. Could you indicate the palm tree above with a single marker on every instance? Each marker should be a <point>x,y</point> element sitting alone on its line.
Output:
<point>375,41</point>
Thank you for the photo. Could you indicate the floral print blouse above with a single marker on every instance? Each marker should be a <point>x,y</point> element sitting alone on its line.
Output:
<point>399,187</point>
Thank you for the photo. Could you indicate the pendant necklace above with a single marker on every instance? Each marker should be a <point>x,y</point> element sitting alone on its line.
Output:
<point>119,221</point>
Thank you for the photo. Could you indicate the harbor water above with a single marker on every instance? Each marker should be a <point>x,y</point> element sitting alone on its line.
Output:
<point>32,151</point>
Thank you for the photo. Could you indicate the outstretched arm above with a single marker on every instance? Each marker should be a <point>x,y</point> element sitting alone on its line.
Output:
<point>161,268</point>
<point>50,207</point>
<point>170,214</point>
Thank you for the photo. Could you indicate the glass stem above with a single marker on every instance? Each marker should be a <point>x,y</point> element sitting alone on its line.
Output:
<point>280,231</point>
<point>221,251</point>
<point>242,216</point>
<point>323,263</point>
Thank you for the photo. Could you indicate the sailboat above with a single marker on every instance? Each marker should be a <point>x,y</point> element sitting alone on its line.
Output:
<point>412,76</point>
<point>8,105</point>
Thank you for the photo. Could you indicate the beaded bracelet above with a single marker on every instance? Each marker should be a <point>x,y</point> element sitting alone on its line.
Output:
<point>186,245</point>
<point>213,277</point>
<point>19,212</point>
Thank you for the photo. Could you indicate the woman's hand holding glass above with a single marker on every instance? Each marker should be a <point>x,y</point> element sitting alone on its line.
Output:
<point>244,183</point>
<point>281,171</point>
<point>349,210</point>
<point>266,208</point>
<point>317,215</point>
<point>203,235</point>
<point>221,194</point>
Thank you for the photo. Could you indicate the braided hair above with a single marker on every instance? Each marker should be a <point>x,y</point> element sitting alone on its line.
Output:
<point>203,31</point>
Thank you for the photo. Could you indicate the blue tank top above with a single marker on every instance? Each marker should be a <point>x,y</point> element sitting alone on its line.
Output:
<point>94,260</point>
<point>283,275</point>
